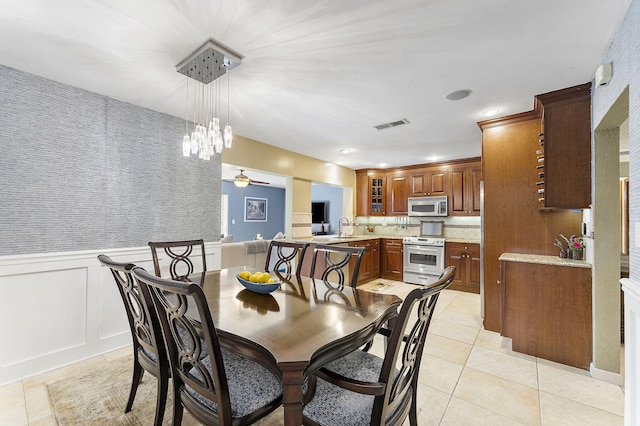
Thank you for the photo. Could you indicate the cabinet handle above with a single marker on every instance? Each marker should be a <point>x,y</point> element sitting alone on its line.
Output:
<point>499,282</point>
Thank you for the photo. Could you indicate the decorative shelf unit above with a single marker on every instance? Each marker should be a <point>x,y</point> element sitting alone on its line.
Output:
<point>565,161</point>
<point>540,170</point>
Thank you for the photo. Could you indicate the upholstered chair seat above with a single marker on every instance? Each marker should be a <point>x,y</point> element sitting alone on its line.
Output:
<point>333,405</point>
<point>251,385</point>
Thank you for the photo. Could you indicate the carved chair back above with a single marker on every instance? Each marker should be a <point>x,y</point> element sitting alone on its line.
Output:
<point>333,264</point>
<point>182,257</point>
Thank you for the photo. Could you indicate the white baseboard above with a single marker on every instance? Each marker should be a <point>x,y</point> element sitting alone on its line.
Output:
<point>631,290</point>
<point>605,376</point>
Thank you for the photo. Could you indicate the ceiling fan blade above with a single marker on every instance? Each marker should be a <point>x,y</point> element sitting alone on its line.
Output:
<point>259,182</point>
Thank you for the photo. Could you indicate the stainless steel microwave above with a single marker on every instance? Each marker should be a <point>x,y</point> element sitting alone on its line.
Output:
<point>429,206</point>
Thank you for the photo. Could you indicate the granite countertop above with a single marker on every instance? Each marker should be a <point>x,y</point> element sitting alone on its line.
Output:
<point>543,260</point>
<point>462,240</point>
<point>333,239</point>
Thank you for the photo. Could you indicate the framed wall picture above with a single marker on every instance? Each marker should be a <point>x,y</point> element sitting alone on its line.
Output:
<point>255,209</point>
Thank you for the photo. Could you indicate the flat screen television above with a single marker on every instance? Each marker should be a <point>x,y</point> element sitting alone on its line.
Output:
<point>319,211</point>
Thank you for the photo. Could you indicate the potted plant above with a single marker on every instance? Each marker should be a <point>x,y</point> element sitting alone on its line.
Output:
<point>576,247</point>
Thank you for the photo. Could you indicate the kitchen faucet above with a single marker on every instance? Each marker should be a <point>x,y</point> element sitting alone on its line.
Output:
<point>340,225</point>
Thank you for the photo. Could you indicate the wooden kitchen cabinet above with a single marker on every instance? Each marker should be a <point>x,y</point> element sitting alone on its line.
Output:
<point>512,220</point>
<point>434,182</point>
<point>397,197</point>
<point>385,192</point>
<point>437,181</point>
<point>392,259</point>
<point>428,181</point>
<point>466,258</point>
<point>371,187</point>
<point>370,264</point>
<point>417,180</point>
<point>547,311</point>
<point>464,197</point>
<point>564,154</point>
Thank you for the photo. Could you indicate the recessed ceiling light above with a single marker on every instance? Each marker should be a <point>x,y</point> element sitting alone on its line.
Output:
<point>490,112</point>
<point>345,151</point>
<point>382,165</point>
<point>434,158</point>
<point>458,95</point>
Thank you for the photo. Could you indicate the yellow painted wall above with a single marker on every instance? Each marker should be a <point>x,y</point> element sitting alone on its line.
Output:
<point>260,156</point>
<point>301,195</point>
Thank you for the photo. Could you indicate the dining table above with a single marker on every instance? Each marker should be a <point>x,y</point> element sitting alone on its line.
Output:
<point>296,329</point>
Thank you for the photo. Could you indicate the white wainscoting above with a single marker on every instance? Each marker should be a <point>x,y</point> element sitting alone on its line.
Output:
<point>631,351</point>
<point>60,308</point>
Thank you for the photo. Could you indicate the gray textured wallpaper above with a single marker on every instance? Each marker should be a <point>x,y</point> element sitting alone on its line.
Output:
<point>80,171</point>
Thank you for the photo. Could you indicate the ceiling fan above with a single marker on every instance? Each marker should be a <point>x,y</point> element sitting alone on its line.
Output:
<point>242,180</point>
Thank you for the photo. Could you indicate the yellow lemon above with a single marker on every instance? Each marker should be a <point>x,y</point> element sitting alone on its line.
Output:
<point>270,281</point>
<point>253,278</point>
<point>245,275</point>
<point>264,277</point>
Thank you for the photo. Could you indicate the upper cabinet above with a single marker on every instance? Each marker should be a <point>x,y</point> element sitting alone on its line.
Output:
<point>417,183</point>
<point>386,192</point>
<point>371,199</point>
<point>464,199</point>
<point>428,181</point>
<point>563,167</point>
<point>437,181</point>
<point>397,188</point>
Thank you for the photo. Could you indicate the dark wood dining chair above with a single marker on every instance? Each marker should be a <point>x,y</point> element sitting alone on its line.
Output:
<point>181,255</point>
<point>330,262</point>
<point>361,388</point>
<point>282,255</point>
<point>216,386</point>
<point>149,353</point>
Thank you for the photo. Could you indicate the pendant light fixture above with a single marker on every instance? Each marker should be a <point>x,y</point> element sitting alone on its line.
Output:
<point>204,66</point>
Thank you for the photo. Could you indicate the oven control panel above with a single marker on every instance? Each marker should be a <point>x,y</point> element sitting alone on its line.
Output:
<point>425,241</point>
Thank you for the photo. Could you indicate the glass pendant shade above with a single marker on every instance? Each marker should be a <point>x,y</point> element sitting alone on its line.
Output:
<point>218,142</point>
<point>228,136</point>
<point>186,146</point>
<point>194,143</point>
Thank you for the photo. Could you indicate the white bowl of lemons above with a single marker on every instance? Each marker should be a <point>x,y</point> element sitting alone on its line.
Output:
<point>259,282</point>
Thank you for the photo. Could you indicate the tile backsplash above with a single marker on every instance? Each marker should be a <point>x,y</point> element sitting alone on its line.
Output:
<point>464,227</point>
<point>459,232</point>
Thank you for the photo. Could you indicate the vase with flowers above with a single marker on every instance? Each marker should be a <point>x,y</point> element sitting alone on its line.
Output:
<point>576,247</point>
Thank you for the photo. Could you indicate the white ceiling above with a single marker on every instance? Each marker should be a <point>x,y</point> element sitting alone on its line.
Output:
<point>317,75</point>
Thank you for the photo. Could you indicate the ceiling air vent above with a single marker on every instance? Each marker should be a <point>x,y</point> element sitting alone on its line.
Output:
<point>392,124</point>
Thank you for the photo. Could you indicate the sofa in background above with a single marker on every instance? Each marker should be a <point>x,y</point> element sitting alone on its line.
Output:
<point>246,253</point>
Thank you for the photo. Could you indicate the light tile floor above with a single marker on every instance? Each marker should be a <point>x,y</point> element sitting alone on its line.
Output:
<point>468,376</point>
